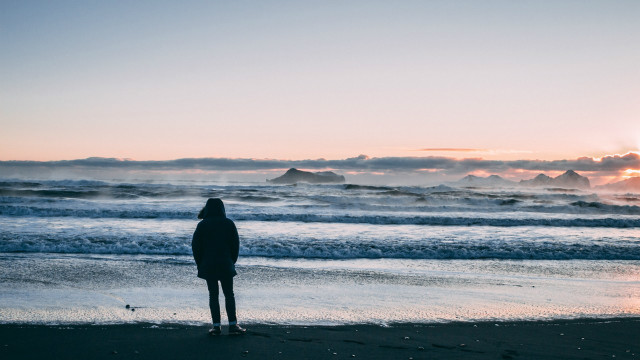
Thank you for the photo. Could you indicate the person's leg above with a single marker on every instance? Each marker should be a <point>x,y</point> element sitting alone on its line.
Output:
<point>214,306</point>
<point>229,300</point>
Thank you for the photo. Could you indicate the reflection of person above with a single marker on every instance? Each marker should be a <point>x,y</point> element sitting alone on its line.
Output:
<point>215,248</point>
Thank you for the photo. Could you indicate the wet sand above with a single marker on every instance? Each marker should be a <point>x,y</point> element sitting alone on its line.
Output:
<point>558,339</point>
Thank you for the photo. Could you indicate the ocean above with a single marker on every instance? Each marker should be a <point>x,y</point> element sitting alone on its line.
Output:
<point>77,251</point>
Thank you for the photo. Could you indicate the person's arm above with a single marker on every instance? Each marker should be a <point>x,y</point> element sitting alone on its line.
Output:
<point>235,243</point>
<point>196,245</point>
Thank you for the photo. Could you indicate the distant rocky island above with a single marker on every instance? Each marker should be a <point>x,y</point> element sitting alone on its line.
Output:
<point>293,176</point>
<point>569,180</point>
<point>490,181</point>
<point>630,184</point>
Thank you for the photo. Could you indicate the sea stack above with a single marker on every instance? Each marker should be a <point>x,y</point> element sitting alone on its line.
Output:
<point>293,176</point>
<point>572,179</point>
<point>540,180</point>
<point>569,180</point>
<point>489,181</point>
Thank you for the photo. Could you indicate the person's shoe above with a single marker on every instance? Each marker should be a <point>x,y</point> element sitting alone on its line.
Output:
<point>217,330</point>
<point>236,330</point>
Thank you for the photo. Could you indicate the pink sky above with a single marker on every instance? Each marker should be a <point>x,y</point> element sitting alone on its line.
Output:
<point>513,80</point>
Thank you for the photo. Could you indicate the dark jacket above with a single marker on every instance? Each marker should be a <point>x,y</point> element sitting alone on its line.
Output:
<point>215,243</point>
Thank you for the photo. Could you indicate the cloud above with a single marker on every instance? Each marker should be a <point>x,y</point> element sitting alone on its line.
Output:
<point>453,150</point>
<point>608,164</point>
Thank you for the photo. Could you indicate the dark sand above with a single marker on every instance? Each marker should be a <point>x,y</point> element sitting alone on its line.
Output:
<point>571,339</point>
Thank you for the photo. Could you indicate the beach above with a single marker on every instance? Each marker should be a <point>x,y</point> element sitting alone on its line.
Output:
<point>39,288</point>
<point>104,269</point>
<point>575,339</point>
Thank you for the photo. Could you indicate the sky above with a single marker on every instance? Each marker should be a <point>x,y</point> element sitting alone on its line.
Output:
<point>295,80</point>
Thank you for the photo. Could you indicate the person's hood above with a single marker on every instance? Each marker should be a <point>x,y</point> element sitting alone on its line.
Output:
<point>214,207</point>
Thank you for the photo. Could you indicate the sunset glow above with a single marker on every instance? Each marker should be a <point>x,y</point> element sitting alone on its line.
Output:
<point>628,153</point>
<point>242,83</point>
<point>244,86</point>
<point>631,172</point>
<point>466,172</point>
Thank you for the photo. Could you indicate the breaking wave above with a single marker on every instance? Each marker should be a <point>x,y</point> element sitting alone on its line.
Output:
<point>439,248</point>
<point>472,220</point>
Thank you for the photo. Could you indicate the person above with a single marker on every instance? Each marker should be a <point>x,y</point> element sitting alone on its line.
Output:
<point>215,248</point>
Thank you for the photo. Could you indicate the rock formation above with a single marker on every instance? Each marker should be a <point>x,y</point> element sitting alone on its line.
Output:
<point>569,180</point>
<point>293,176</point>
<point>489,181</point>
<point>627,185</point>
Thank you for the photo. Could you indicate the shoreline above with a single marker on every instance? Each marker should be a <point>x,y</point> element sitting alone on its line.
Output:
<point>80,290</point>
<point>549,339</point>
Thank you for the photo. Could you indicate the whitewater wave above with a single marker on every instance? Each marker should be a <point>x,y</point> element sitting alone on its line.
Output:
<point>445,220</point>
<point>474,219</point>
<point>96,190</point>
<point>321,221</point>
<point>95,213</point>
<point>328,248</point>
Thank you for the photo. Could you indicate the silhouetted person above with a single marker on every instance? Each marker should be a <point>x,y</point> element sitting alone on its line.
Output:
<point>215,248</point>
